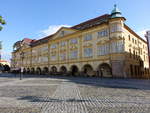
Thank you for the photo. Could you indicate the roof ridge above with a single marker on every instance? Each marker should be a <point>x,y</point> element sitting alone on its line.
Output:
<point>102,17</point>
<point>90,20</point>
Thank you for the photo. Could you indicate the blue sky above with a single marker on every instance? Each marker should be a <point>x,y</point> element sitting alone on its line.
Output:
<point>38,18</point>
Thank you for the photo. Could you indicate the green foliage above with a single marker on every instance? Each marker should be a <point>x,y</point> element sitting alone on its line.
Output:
<point>1,28</point>
<point>2,22</point>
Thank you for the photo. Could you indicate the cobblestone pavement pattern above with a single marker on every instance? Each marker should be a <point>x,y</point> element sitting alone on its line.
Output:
<point>74,95</point>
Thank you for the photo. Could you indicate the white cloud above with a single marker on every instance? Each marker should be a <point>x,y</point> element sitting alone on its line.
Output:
<point>142,33</point>
<point>51,29</point>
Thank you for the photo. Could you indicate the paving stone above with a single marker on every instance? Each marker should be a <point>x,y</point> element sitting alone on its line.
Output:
<point>74,95</point>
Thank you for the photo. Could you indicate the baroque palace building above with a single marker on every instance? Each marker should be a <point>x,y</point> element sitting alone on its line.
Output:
<point>104,47</point>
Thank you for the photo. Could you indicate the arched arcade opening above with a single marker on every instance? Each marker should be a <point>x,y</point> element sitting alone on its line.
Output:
<point>28,71</point>
<point>45,70</point>
<point>53,69</point>
<point>38,71</point>
<point>88,70</point>
<point>32,71</point>
<point>63,70</point>
<point>74,70</point>
<point>104,70</point>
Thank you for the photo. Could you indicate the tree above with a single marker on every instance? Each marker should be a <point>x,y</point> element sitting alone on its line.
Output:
<point>6,68</point>
<point>2,22</point>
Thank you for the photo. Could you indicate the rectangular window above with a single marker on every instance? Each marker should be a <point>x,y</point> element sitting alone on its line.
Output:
<point>135,41</point>
<point>103,33</point>
<point>74,41</point>
<point>117,47</point>
<point>74,54</point>
<point>113,47</point>
<point>103,49</point>
<point>116,27</point>
<point>120,46</point>
<point>132,40</point>
<point>53,46</point>
<point>44,59</point>
<point>62,56</point>
<point>53,57</point>
<point>44,49</point>
<point>88,37</point>
<point>63,43</point>
<point>88,52</point>
<point>129,37</point>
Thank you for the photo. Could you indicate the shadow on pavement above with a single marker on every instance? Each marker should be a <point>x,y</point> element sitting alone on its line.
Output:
<point>53,100</point>
<point>93,81</point>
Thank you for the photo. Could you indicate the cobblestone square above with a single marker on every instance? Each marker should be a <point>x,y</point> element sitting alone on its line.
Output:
<point>56,94</point>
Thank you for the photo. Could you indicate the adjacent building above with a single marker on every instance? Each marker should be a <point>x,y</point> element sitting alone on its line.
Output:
<point>148,42</point>
<point>104,47</point>
<point>4,62</point>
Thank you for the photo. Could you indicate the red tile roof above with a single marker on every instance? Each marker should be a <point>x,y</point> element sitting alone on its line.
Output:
<point>92,22</point>
<point>82,26</point>
<point>85,25</point>
<point>41,41</point>
<point>3,61</point>
<point>27,40</point>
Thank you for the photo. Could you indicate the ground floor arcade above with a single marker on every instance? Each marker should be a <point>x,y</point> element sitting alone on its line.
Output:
<point>91,69</point>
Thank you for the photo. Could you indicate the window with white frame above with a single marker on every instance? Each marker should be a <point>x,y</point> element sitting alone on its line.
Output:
<point>63,43</point>
<point>120,46</point>
<point>102,33</point>
<point>88,37</point>
<point>103,49</point>
<point>116,27</point>
<point>62,56</point>
<point>53,57</point>
<point>74,41</point>
<point>39,59</point>
<point>117,47</point>
<point>45,48</point>
<point>53,46</point>
<point>44,59</point>
<point>73,54</point>
<point>88,52</point>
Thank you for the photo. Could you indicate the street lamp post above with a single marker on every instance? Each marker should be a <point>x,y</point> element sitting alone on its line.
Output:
<point>22,57</point>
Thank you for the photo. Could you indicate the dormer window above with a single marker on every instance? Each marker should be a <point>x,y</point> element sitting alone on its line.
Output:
<point>62,33</point>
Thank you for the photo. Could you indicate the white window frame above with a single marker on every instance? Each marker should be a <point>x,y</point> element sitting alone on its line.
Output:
<point>88,52</point>
<point>88,37</point>
<point>74,41</point>
<point>102,33</point>
<point>53,46</point>
<point>73,54</point>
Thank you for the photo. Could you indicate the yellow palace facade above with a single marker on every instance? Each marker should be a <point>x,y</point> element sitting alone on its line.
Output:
<point>103,47</point>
